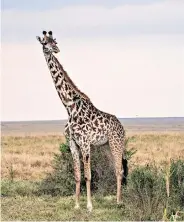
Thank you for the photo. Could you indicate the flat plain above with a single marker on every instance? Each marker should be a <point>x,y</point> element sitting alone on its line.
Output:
<point>28,151</point>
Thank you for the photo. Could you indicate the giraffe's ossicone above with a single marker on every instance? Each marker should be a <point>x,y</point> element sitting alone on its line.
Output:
<point>87,126</point>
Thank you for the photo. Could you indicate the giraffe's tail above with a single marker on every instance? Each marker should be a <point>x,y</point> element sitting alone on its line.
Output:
<point>125,171</point>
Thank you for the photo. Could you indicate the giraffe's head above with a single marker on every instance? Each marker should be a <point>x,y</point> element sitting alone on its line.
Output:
<point>48,43</point>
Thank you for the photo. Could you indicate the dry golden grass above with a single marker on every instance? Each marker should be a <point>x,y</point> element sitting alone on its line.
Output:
<point>30,157</point>
<point>156,147</point>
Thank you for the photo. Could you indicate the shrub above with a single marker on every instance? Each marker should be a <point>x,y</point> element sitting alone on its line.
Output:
<point>61,181</point>
<point>177,180</point>
<point>145,196</point>
<point>176,198</point>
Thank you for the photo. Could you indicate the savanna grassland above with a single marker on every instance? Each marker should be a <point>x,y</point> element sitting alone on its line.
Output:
<point>30,157</point>
<point>27,160</point>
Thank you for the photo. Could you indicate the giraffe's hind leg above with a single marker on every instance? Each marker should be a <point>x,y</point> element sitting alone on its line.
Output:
<point>117,149</point>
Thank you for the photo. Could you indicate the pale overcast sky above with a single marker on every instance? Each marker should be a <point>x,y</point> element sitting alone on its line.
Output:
<point>126,55</point>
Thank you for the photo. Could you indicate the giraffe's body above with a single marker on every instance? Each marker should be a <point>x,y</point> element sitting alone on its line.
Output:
<point>89,123</point>
<point>87,126</point>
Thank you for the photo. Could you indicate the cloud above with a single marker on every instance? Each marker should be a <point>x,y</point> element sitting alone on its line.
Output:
<point>95,21</point>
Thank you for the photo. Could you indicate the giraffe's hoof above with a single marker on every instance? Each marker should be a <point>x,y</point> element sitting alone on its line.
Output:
<point>119,202</point>
<point>77,207</point>
<point>89,207</point>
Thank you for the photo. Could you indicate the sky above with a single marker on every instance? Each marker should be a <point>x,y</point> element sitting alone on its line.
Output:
<point>126,55</point>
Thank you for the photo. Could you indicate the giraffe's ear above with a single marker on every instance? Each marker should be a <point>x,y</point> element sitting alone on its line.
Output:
<point>50,33</point>
<point>38,38</point>
<point>55,41</point>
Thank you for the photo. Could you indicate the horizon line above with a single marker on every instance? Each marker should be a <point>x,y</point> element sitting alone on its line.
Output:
<point>136,117</point>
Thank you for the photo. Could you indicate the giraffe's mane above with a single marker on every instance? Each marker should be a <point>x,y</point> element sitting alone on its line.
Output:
<point>71,82</point>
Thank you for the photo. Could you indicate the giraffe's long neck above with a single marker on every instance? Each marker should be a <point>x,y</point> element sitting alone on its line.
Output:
<point>69,94</point>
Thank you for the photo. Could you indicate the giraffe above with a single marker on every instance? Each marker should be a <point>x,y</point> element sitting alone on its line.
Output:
<point>87,126</point>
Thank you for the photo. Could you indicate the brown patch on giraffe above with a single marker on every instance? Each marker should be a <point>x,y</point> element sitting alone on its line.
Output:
<point>97,137</point>
<point>106,121</point>
<point>80,121</point>
<point>87,158</point>
<point>96,123</point>
<point>77,135</point>
<point>66,87</point>
<point>94,129</point>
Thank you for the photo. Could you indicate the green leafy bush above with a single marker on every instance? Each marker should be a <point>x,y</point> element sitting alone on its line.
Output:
<point>145,196</point>
<point>176,198</point>
<point>177,180</point>
<point>62,182</point>
<point>103,179</point>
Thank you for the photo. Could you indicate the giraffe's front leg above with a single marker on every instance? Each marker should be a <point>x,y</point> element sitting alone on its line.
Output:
<point>87,174</point>
<point>77,171</point>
